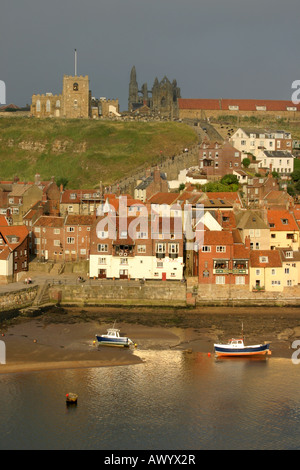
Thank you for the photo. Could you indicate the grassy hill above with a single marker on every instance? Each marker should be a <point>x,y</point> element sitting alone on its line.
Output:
<point>85,151</point>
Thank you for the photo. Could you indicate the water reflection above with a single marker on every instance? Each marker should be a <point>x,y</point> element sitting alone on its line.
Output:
<point>172,400</point>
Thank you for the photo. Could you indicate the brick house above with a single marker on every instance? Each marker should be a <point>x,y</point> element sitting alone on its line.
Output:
<point>218,160</point>
<point>258,187</point>
<point>77,236</point>
<point>222,259</point>
<point>62,238</point>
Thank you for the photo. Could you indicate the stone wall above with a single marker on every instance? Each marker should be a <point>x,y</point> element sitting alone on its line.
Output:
<point>18,299</point>
<point>232,295</point>
<point>170,165</point>
<point>120,293</point>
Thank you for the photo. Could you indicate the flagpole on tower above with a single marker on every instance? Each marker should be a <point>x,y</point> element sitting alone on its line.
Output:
<point>75,62</point>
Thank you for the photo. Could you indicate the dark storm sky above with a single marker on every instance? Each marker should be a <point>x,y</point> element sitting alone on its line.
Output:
<point>213,48</point>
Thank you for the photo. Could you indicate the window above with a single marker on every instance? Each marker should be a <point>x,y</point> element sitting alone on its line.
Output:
<point>285,221</point>
<point>70,208</point>
<point>240,280</point>
<point>160,264</point>
<point>56,242</point>
<point>48,106</point>
<point>102,235</point>
<point>276,283</point>
<point>286,270</point>
<point>37,229</point>
<point>56,231</point>
<point>257,272</point>
<point>123,260</point>
<point>220,280</point>
<point>102,248</point>
<point>38,106</point>
<point>263,259</point>
<point>173,248</point>
<point>160,247</point>
<point>206,248</point>
<point>261,108</point>
<point>101,260</point>
<point>70,240</point>
<point>141,248</point>
<point>221,249</point>
<point>70,229</point>
<point>273,272</point>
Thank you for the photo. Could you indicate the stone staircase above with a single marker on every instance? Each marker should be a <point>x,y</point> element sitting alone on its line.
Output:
<point>42,296</point>
<point>57,269</point>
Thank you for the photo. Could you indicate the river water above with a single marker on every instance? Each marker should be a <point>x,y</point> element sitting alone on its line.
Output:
<point>173,400</point>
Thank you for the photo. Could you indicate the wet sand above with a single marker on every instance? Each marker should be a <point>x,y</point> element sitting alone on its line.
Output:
<point>61,338</point>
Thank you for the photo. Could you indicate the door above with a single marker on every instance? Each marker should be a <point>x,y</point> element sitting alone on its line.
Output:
<point>123,273</point>
<point>164,276</point>
<point>102,274</point>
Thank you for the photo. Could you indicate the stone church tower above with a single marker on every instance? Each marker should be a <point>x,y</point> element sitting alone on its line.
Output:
<point>133,89</point>
<point>76,97</point>
<point>162,99</point>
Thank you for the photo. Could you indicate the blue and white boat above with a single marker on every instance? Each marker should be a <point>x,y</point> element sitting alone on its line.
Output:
<point>237,348</point>
<point>113,338</point>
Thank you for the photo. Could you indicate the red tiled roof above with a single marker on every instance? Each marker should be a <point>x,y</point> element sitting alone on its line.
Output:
<point>276,217</point>
<point>273,257</point>
<point>49,221</point>
<point>241,252</point>
<point>4,252</point>
<point>214,237</point>
<point>163,198</point>
<point>80,219</point>
<point>243,104</point>
<point>19,231</point>
<point>3,221</point>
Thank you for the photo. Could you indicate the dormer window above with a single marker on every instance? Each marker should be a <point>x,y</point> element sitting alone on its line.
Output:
<point>263,259</point>
<point>285,221</point>
<point>289,254</point>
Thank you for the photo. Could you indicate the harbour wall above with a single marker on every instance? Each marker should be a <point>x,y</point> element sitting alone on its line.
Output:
<point>118,293</point>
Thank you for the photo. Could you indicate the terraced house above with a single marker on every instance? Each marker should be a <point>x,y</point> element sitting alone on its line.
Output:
<point>136,249</point>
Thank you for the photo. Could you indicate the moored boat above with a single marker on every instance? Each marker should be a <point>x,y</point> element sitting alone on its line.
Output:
<point>113,338</point>
<point>237,348</point>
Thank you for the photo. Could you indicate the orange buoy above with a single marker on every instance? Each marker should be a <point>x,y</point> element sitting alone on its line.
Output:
<point>209,354</point>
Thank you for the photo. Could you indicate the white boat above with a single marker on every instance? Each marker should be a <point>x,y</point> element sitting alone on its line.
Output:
<point>237,348</point>
<point>113,338</point>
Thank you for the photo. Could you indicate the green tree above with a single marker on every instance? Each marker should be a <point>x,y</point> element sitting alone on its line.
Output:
<point>246,162</point>
<point>230,179</point>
